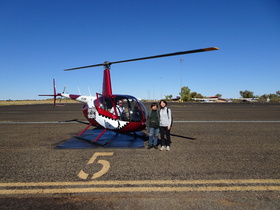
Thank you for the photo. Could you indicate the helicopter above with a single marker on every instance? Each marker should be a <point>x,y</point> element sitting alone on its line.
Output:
<point>115,112</point>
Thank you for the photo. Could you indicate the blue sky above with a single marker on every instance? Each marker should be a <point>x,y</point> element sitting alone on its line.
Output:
<point>39,39</point>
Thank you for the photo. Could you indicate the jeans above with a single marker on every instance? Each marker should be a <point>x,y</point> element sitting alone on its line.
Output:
<point>153,136</point>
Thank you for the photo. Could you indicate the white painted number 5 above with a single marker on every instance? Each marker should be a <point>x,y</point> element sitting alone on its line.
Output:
<point>105,165</point>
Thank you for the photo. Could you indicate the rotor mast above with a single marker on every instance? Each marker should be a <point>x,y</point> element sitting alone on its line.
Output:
<point>107,86</point>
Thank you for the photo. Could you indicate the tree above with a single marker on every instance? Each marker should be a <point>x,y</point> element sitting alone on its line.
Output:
<point>196,95</point>
<point>193,94</point>
<point>185,93</point>
<point>168,97</point>
<point>264,98</point>
<point>246,94</point>
<point>274,98</point>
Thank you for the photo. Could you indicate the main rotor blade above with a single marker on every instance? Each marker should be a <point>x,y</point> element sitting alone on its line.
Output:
<point>83,67</point>
<point>169,54</point>
<point>150,57</point>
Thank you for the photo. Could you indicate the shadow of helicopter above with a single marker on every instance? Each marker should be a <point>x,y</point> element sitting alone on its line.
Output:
<point>146,133</point>
<point>183,137</point>
<point>110,139</point>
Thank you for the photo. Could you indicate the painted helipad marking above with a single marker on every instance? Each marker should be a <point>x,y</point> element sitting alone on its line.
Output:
<point>105,165</point>
<point>142,186</point>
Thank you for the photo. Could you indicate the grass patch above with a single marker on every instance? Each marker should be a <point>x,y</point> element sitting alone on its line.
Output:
<point>31,102</point>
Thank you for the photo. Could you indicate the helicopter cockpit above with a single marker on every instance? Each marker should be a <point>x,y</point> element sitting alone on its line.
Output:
<point>122,107</point>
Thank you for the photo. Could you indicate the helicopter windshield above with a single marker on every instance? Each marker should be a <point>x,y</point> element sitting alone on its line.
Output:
<point>123,107</point>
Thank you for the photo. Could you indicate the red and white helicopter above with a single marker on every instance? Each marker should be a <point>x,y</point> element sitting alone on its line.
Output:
<point>120,113</point>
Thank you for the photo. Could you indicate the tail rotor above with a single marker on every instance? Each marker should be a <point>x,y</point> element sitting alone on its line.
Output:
<point>54,94</point>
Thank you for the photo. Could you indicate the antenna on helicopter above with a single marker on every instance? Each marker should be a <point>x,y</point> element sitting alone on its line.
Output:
<point>79,90</point>
<point>64,89</point>
<point>89,91</point>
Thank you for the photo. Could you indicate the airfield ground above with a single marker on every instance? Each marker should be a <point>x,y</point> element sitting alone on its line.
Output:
<point>223,156</point>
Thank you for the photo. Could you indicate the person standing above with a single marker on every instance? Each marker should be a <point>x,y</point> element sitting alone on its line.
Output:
<point>153,126</point>
<point>165,125</point>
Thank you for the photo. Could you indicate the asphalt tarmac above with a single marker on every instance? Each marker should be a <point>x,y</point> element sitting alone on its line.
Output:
<point>223,156</point>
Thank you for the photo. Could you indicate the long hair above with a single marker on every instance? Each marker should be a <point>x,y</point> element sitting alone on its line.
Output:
<point>163,102</point>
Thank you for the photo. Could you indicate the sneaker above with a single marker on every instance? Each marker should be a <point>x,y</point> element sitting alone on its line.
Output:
<point>162,148</point>
<point>149,147</point>
<point>167,148</point>
<point>156,147</point>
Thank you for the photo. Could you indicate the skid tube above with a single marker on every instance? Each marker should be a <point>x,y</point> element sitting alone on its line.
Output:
<point>98,137</point>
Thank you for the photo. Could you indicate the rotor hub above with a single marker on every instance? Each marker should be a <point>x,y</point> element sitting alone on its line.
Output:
<point>107,64</point>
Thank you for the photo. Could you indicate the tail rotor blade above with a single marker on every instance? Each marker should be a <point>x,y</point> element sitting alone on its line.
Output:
<point>54,87</point>
<point>54,93</point>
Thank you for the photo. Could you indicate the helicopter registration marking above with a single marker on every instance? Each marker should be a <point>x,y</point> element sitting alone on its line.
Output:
<point>91,113</point>
<point>105,165</point>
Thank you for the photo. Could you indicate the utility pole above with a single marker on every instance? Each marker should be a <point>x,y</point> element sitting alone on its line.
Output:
<point>181,61</point>
<point>160,87</point>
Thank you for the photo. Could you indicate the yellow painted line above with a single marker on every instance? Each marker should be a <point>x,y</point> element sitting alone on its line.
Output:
<point>143,182</point>
<point>141,189</point>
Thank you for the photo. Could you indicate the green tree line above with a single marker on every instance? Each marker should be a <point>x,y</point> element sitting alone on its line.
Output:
<point>187,95</point>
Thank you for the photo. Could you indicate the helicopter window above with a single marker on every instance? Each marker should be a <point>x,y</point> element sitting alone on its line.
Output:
<point>133,110</point>
<point>105,103</point>
<point>136,113</point>
<point>122,108</point>
<point>126,108</point>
